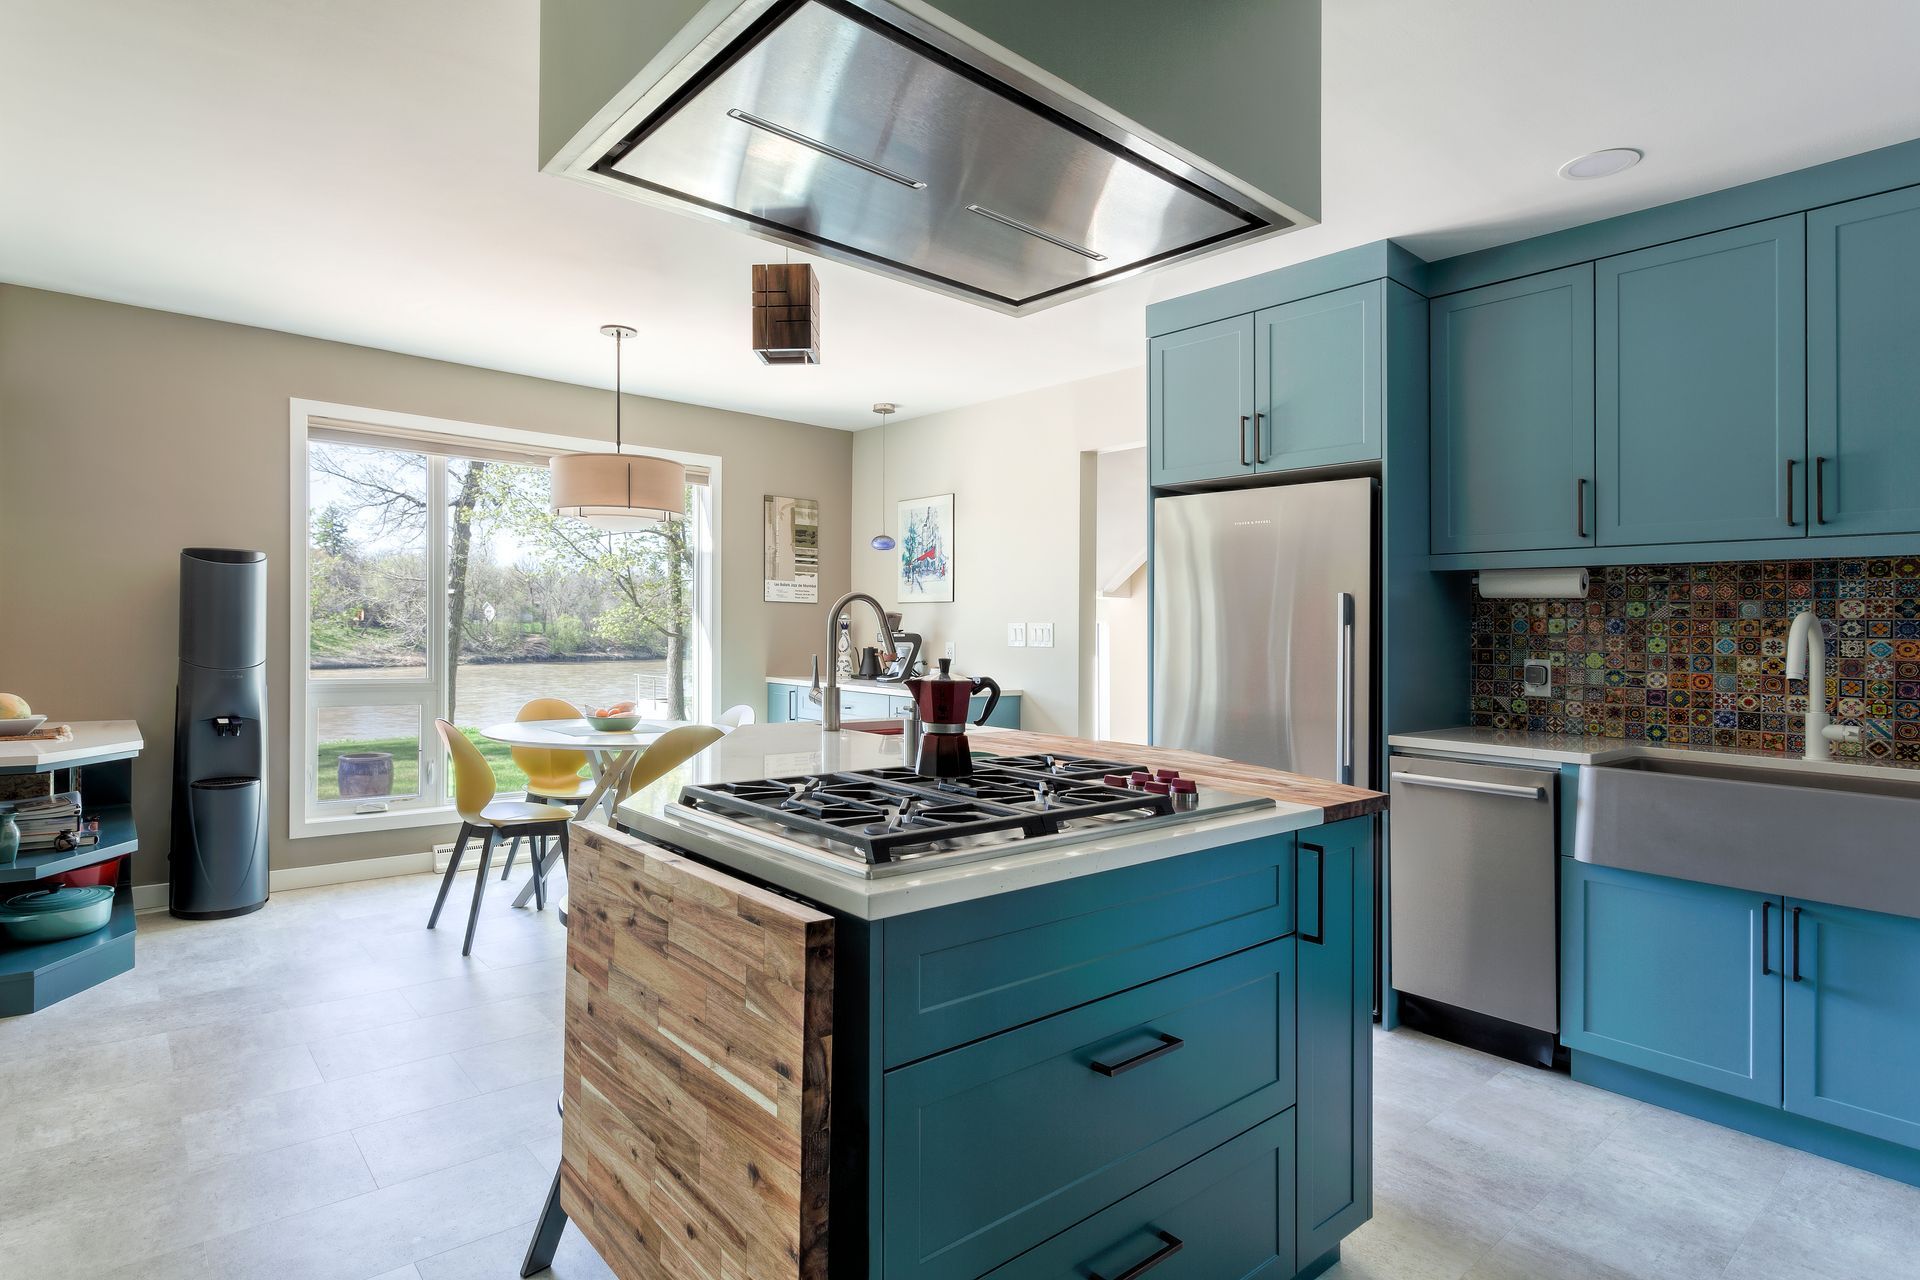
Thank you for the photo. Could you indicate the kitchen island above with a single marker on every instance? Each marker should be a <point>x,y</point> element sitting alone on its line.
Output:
<point>1138,1040</point>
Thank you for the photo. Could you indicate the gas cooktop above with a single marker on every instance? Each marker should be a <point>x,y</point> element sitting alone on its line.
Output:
<point>880,821</point>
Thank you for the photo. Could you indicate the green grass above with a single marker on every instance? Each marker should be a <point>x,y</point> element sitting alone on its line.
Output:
<point>406,763</point>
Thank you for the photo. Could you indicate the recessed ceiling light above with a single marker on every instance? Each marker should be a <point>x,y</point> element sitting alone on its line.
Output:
<point>1600,164</point>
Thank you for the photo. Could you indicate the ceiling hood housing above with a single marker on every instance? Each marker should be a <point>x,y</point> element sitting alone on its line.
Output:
<point>1011,153</point>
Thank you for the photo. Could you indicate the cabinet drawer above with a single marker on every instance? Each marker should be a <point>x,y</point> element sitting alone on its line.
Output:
<point>991,1148</point>
<point>967,971</point>
<point>1229,1213</point>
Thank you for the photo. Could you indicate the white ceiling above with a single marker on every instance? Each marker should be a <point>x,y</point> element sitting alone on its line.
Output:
<point>364,170</point>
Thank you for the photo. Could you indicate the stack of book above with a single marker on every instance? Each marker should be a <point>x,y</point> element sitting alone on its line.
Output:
<point>51,822</point>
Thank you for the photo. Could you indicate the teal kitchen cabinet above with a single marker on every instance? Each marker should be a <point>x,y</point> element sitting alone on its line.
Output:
<point>1700,388</point>
<point>1333,895</point>
<point>1853,1020</point>
<point>1318,379</point>
<point>1673,977</point>
<point>1511,402</point>
<point>1863,365</point>
<point>1200,402</point>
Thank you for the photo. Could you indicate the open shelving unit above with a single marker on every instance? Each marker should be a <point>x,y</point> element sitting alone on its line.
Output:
<point>33,977</point>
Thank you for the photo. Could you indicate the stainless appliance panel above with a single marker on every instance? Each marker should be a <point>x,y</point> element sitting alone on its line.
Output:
<point>1473,903</point>
<point>834,126</point>
<point>1252,657</point>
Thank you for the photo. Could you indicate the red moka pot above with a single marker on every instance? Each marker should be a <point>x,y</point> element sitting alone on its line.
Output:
<point>943,702</point>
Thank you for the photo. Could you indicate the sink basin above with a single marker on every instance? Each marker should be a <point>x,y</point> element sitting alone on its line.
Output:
<point>1841,838</point>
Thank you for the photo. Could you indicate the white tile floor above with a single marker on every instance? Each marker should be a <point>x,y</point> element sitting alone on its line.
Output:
<point>326,1091</point>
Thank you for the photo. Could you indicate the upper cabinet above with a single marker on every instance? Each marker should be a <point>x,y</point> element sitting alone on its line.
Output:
<point>1863,364</point>
<point>1512,414</point>
<point>1700,393</point>
<point>1200,402</point>
<point>1317,379</point>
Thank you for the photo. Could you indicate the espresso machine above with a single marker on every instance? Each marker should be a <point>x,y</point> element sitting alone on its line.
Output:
<point>943,701</point>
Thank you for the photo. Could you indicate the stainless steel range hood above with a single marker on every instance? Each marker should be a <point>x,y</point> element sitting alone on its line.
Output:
<point>868,133</point>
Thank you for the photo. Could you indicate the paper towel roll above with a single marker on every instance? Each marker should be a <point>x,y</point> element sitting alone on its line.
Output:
<point>1532,584</point>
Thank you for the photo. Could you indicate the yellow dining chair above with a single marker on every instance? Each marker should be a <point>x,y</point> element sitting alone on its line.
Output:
<point>668,752</point>
<point>553,774</point>
<point>482,815</point>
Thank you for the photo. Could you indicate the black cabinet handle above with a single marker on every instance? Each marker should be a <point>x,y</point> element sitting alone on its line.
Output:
<point>1791,464</point>
<point>1580,507</point>
<point>1166,1046</point>
<point>1319,935</point>
<point>1766,938</point>
<point>1819,490</point>
<point>1796,944</point>
<point>1259,440</point>
<point>1170,1244</point>
<point>1243,441</point>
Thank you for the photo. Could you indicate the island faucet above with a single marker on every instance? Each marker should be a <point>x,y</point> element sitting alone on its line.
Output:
<point>1807,660</point>
<point>829,699</point>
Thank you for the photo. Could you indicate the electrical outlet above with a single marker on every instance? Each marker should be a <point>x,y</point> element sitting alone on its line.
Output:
<point>1016,635</point>
<point>948,652</point>
<point>1041,633</point>
<point>1536,678</point>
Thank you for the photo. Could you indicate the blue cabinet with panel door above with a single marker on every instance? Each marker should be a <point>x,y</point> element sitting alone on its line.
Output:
<point>1853,1020</point>
<point>1700,388</point>
<point>1200,402</point>
<point>1673,977</point>
<point>1319,380</point>
<point>1511,405</point>
<point>1863,365</point>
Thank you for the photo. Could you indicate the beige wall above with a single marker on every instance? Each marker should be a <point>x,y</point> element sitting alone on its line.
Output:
<point>129,434</point>
<point>1128,625</point>
<point>1022,519</point>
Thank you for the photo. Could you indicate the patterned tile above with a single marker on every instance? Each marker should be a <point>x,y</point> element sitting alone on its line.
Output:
<point>1697,654</point>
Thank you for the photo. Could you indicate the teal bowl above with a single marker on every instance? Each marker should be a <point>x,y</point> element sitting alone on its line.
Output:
<point>614,724</point>
<point>54,915</point>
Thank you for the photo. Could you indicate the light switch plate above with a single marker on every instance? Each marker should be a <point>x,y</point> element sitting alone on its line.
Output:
<point>1016,635</point>
<point>1536,678</point>
<point>1041,633</point>
<point>949,649</point>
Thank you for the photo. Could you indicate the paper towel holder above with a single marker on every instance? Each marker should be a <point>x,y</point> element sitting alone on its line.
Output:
<point>1531,584</point>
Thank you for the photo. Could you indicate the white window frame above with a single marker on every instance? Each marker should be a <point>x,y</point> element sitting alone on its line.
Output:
<point>305,695</point>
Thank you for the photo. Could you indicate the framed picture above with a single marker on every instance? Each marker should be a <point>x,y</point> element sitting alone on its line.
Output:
<point>792,536</point>
<point>926,550</point>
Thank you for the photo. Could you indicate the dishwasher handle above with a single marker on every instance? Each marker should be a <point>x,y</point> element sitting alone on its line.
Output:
<point>1440,783</point>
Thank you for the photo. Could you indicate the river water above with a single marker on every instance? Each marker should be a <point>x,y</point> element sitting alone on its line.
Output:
<point>488,693</point>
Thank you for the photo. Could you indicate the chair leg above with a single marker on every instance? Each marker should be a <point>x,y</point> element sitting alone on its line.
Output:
<point>446,881</point>
<point>513,847</point>
<point>564,864</point>
<point>537,851</point>
<point>479,889</point>
<point>546,1232</point>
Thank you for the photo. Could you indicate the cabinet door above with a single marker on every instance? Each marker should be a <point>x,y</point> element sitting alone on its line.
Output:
<point>1317,379</point>
<point>1334,1079</point>
<point>1673,977</point>
<point>1853,1020</point>
<point>780,700</point>
<point>1700,393</point>
<point>1200,402</point>
<point>1512,407</point>
<point>1863,373</point>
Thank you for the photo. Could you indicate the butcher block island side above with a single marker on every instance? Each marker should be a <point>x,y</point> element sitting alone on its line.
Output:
<point>1042,1029</point>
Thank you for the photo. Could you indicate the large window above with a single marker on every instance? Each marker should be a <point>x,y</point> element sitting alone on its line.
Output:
<point>439,583</point>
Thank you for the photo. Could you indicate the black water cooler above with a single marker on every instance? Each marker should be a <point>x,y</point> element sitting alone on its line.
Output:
<point>219,857</point>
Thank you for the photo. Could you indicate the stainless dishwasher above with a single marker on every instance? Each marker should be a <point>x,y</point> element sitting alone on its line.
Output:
<point>1474,912</point>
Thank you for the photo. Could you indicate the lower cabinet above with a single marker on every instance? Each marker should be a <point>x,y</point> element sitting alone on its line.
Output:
<point>1677,978</point>
<point>1227,1215</point>
<point>1853,1020</point>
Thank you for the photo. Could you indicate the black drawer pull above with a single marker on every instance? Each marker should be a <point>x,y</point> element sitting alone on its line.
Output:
<point>1170,1244</point>
<point>1166,1046</point>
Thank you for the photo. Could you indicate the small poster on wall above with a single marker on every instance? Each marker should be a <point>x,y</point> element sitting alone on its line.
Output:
<point>792,537</point>
<point>926,550</point>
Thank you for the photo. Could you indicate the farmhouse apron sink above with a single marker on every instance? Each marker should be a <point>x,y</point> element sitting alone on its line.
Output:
<point>1840,838</point>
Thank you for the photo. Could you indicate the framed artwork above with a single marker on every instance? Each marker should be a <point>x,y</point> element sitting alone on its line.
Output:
<point>926,550</point>
<point>792,536</point>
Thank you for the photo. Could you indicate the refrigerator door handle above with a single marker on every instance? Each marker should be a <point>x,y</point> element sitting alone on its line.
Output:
<point>1343,678</point>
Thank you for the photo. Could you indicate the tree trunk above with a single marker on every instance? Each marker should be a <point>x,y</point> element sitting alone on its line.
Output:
<point>457,552</point>
<point>678,622</point>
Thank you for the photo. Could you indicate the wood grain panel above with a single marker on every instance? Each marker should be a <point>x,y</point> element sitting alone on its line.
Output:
<point>699,1041</point>
<point>1340,802</point>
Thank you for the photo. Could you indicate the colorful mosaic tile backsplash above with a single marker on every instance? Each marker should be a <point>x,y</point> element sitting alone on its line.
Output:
<point>1695,654</point>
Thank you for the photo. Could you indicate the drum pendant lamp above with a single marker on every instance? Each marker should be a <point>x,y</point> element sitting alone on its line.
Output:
<point>613,491</point>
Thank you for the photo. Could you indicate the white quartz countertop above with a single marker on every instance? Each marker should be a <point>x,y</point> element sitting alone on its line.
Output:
<point>92,739</point>
<point>771,750</point>
<point>1549,748</point>
<point>892,689</point>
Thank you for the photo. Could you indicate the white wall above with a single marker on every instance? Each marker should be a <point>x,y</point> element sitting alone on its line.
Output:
<point>1128,624</point>
<point>1023,509</point>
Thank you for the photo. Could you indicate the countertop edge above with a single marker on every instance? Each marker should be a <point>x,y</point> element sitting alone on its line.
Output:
<point>1505,744</point>
<point>891,687</point>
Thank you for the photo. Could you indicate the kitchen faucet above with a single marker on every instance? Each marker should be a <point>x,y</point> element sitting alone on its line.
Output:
<point>1807,660</point>
<point>829,700</point>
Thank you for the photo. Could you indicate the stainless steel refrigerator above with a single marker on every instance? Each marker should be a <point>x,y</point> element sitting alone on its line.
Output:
<point>1263,626</point>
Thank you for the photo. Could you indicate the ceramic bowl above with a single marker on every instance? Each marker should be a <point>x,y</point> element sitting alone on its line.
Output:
<point>52,915</point>
<point>25,724</point>
<point>614,724</point>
